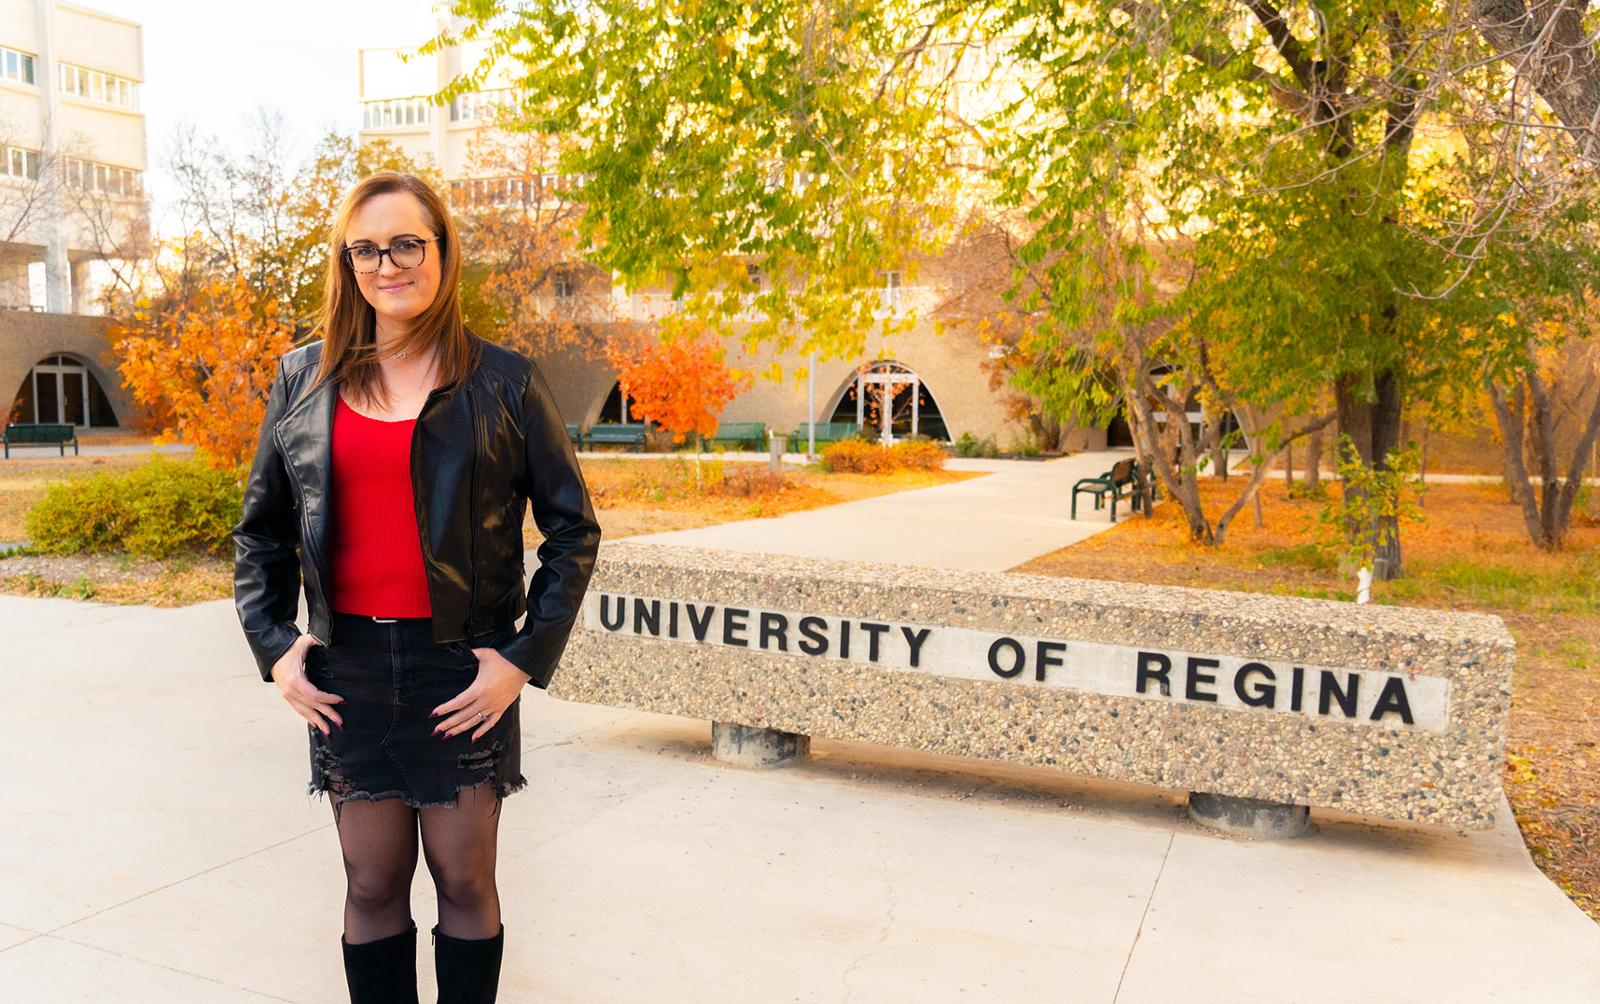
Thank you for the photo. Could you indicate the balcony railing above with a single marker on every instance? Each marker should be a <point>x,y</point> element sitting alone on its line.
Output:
<point>895,301</point>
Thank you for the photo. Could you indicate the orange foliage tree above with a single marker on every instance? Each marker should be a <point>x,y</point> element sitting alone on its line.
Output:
<point>680,381</point>
<point>207,362</point>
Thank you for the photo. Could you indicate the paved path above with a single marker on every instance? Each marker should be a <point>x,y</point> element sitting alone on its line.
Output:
<point>156,845</point>
<point>1019,509</point>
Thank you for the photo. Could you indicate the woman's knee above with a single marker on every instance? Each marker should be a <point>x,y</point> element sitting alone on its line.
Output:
<point>465,887</point>
<point>376,894</point>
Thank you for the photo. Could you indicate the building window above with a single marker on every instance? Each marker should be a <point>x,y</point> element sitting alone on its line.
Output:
<point>15,65</point>
<point>112,180</point>
<point>563,284</point>
<point>395,113</point>
<point>16,162</point>
<point>93,85</point>
<point>890,291</point>
<point>487,191</point>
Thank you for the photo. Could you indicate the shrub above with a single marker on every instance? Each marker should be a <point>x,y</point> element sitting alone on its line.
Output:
<point>156,510</point>
<point>857,456</point>
<point>968,445</point>
<point>919,454</point>
<point>1024,447</point>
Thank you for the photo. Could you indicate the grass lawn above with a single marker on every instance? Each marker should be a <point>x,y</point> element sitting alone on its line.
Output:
<point>630,496</point>
<point>1469,553</point>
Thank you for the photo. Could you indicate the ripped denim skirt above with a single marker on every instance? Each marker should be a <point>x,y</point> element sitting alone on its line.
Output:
<point>392,674</point>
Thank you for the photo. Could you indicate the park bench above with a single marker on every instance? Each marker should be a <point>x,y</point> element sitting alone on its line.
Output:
<point>752,433</point>
<point>1124,474</point>
<point>41,434</point>
<point>827,432</point>
<point>574,433</point>
<point>628,434</point>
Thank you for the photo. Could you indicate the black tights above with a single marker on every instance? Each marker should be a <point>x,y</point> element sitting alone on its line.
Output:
<point>379,841</point>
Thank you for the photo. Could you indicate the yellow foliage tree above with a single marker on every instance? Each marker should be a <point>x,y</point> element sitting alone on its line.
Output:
<point>207,362</point>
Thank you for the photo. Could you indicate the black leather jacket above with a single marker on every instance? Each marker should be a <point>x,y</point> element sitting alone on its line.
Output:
<point>481,451</point>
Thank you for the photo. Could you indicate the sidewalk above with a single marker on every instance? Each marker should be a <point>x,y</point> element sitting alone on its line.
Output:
<point>156,845</point>
<point>1019,509</point>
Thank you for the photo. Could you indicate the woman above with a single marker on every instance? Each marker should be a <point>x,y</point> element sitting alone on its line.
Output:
<point>397,457</point>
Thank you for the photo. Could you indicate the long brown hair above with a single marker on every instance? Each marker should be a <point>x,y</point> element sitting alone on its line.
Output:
<point>348,324</point>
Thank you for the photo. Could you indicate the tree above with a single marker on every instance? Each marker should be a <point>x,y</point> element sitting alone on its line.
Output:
<point>209,365</point>
<point>679,381</point>
<point>1226,199</point>
<point>526,278</point>
<point>713,136</point>
<point>250,217</point>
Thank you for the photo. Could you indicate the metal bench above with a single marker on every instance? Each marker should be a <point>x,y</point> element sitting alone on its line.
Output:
<point>827,432</point>
<point>574,433</point>
<point>754,433</point>
<point>1124,474</point>
<point>41,434</point>
<point>627,434</point>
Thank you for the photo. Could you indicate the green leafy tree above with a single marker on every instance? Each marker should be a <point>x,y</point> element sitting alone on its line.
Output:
<point>1250,208</point>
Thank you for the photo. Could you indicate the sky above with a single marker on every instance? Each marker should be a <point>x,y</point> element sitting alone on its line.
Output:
<point>213,63</point>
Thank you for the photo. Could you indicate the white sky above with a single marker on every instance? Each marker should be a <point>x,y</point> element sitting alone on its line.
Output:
<point>213,63</point>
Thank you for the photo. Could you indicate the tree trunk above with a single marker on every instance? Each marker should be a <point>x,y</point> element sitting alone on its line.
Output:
<point>1547,513</point>
<point>1546,42</point>
<point>1314,463</point>
<point>1374,427</point>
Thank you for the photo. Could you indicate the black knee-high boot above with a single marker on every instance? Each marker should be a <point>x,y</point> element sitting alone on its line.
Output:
<point>382,971</point>
<point>468,969</point>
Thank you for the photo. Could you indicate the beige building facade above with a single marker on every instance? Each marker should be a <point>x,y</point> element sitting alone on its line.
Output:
<point>72,162</point>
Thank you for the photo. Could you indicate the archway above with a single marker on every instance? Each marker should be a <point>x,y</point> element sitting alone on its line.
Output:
<point>61,390</point>
<point>616,407</point>
<point>889,399</point>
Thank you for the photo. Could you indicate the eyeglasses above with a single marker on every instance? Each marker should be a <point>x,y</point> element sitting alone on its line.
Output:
<point>407,252</point>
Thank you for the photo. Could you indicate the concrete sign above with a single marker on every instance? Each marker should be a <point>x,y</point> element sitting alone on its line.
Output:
<point>1387,712</point>
<point>1240,683</point>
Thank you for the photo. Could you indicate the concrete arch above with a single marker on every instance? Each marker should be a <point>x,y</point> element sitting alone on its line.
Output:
<point>27,338</point>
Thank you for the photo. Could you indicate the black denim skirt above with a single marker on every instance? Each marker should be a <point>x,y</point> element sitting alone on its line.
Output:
<point>392,674</point>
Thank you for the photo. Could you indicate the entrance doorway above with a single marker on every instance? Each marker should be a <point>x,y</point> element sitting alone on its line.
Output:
<point>61,391</point>
<point>889,399</point>
<point>615,408</point>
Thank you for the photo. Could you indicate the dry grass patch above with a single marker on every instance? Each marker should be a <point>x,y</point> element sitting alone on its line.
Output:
<point>1470,553</point>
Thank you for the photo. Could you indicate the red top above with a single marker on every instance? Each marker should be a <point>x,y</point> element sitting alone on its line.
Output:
<point>377,554</point>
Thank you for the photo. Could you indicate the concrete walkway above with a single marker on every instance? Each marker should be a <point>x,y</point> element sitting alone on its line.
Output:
<point>1019,509</point>
<point>156,845</point>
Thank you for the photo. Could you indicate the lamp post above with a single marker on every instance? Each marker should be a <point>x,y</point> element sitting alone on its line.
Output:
<point>811,406</point>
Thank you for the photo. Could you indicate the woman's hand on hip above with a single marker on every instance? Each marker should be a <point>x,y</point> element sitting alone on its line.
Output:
<point>498,684</point>
<point>289,673</point>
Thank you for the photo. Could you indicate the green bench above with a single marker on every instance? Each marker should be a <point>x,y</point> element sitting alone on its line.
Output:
<point>754,433</point>
<point>574,433</point>
<point>827,432</point>
<point>1124,474</point>
<point>41,434</point>
<point>627,434</point>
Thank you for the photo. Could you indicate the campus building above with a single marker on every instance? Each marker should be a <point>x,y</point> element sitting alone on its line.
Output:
<point>72,163</point>
<point>922,382</point>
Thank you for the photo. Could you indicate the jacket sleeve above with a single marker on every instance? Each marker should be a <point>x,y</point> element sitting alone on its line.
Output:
<point>564,514</point>
<point>266,564</point>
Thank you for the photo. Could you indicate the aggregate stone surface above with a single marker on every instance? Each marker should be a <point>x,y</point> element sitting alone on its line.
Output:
<point>1449,778</point>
